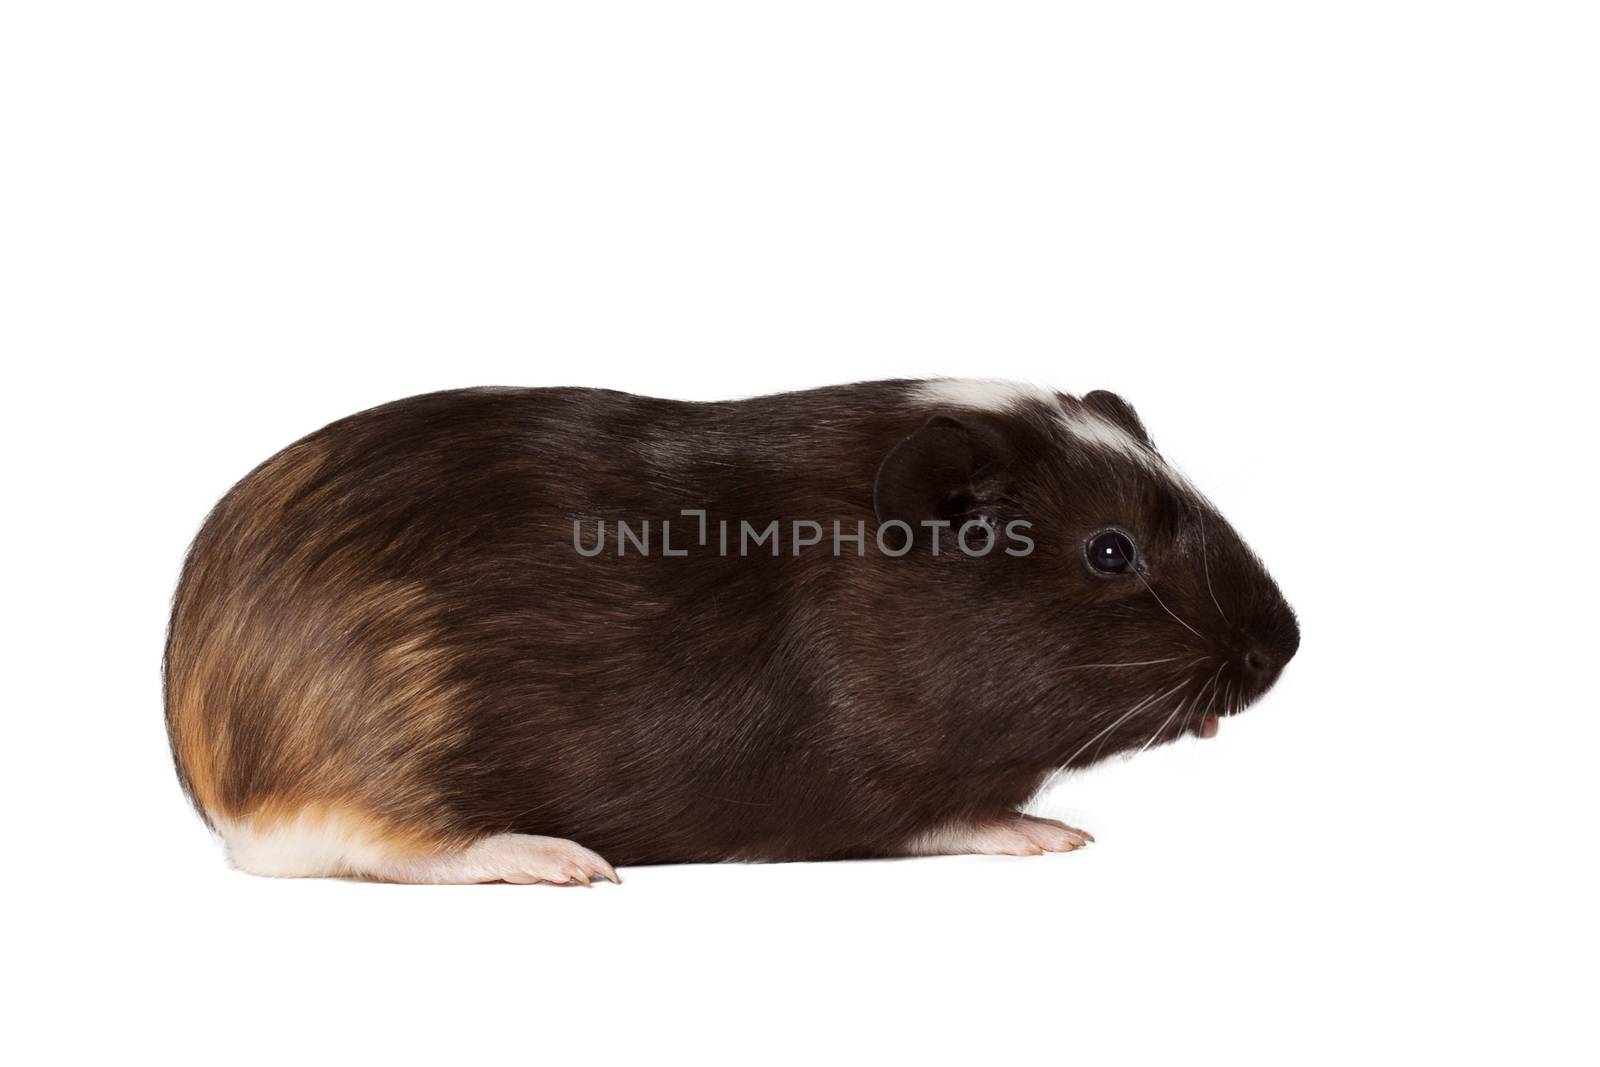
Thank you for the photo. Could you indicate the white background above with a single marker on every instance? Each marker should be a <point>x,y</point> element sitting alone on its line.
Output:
<point>1341,256</point>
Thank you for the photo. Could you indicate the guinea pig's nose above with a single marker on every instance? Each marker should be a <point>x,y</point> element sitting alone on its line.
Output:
<point>1259,666</point>
<point>1265,657</point>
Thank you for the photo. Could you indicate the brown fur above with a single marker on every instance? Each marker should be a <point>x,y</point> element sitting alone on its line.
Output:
<point>387,623</point>
<point>299,680</point>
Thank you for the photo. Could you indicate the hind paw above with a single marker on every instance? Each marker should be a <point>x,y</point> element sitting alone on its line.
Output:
<point>525,860</point>
<point>521,859</point>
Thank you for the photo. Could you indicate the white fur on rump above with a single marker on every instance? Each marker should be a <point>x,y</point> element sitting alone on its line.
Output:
<point>315,844</point>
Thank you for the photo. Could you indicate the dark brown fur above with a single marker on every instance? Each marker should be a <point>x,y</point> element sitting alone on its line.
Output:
<point>390,618</point>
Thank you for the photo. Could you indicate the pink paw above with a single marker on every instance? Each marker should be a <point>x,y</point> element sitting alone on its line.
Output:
<point>1013,835</point>
<point>524,860</point>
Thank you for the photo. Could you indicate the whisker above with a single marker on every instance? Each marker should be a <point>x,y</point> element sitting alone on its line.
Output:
<point>1205,564</point>
<point>1166,609</point>
<point>1110,712</point>
<point>1162,728</point>
<point>1146,702</point>
<point>1138,663</point>
<point>1212,703</point>
<point>1054,776</point>
<point>1095,755</point>
<point>1212,685</point>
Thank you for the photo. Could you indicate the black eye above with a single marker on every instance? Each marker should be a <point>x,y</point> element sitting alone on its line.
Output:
<point>1110,553</point>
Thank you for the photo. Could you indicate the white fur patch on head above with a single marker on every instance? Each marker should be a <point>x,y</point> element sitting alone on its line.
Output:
<point>982,394</point>
<point>997,395</point>
<point>1081,424</point>
<point>1096,430</point>
<point>1100,432</point>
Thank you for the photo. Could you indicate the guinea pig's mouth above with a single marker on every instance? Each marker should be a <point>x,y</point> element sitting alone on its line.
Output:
<point>1207,727</point>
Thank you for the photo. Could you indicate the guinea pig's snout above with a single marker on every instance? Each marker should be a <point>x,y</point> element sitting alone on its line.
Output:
<point>1267,650</point>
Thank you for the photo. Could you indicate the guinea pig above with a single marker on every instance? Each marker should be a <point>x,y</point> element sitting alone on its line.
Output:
<point>522,635</point>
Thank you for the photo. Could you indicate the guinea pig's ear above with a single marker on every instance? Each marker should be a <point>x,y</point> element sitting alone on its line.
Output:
<point>945,471</point>
<point>1112,407</point>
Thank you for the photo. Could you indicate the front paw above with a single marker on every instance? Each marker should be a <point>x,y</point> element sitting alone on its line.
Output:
<point>1011,835</point>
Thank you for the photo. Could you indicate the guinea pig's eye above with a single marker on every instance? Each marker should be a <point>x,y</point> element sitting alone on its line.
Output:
<point>1110,553</point>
